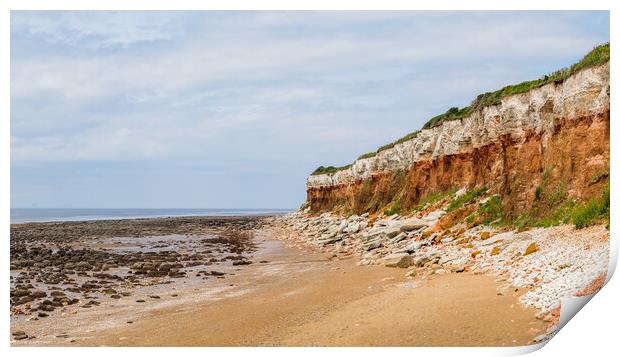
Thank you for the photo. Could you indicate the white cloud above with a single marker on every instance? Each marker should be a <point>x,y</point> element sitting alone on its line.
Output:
<point>215,84</point>
<point>95,29</point>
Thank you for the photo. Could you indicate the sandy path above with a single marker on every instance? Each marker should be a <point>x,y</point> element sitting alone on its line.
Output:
<point>299,298</point>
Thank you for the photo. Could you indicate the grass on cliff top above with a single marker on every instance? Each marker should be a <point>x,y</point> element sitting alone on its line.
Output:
<point>598,55</point>
<point>329,169</point>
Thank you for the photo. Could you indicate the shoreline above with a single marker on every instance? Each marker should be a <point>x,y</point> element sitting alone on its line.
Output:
<point>293,296</point>
<point>115,219</point>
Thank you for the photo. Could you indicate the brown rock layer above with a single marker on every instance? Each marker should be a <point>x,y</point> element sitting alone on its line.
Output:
<point>513,166</point>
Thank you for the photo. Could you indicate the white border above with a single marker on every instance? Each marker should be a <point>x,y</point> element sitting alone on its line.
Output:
<point>593,330</point>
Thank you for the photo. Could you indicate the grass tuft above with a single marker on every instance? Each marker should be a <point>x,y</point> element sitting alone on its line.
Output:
<point>466,198</point>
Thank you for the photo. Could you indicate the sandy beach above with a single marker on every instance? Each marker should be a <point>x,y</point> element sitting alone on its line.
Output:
<point>283,294</point>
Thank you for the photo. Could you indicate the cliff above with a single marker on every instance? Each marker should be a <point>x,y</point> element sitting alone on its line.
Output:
<point>553,138</point>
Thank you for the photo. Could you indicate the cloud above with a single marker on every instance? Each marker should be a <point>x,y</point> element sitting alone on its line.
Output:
<point>272,92</point>
<point>96,29</point>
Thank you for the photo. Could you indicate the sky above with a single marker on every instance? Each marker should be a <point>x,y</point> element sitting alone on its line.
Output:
<point>211,109</point>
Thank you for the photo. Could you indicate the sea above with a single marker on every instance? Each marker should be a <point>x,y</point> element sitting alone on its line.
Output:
<point>24,215</point>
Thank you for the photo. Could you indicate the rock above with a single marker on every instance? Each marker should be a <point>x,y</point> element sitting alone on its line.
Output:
<point>411,224</point>
<point>353,227</point>
<point>329,239</point>
<point>429,257</point>
<point>18,333</point>
<point>460,192</point>
<point>398,238</point>
<point>42,314</point>
<point>502,237</point>
<point>433,216</point>
<point>242,262</point>
<point>392,232</point>
<point>457,268</point>
<point>38,294</point>
<point>440,271</point>
<point>485,235</point>
<point>495,251</point>
<point>414,246</point>
<point>373,244</point>
<point>531,248</point>
<point>400,260</point>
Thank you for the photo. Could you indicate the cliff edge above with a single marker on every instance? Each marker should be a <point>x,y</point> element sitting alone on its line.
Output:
<point>550,139</point>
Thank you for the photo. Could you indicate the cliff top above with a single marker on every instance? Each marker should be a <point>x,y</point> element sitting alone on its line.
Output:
<point>596,56</point>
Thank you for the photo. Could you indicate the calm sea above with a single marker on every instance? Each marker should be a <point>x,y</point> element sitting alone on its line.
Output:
<point>21,215</point>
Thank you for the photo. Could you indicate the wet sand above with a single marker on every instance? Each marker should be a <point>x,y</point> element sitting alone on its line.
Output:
<point>291,296</point>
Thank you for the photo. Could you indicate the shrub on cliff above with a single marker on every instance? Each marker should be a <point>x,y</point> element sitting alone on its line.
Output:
<point>491,210</point>
<point>466,198</point>
<point>594,210</point>
<point>598,55</point>
<point>393,209</point>
<point>329,169</point>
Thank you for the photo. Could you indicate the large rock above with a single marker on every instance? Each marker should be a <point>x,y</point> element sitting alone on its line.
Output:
<point>428,257</point>
<point>392,232</point>
<point>502,237</point>
<point>400,236</point>
<point>432,217</point>
<point>343,226</point>
<point>353,227</point>
<point>411,224</point>
<point>373,244</point>
<point>399,260</point>
<point>414,246</point>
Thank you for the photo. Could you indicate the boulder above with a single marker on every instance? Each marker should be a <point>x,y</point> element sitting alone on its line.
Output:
<point>531,248</point>
<point>432,217</point>
<point>411,224</point>
<point>398,238</point>
<point>399,260</point>
<point>392,232</point>
<point>429,257</point>
<point>414,246</point>
<point>353,227</point>
<point>343,225</point>
<point>502,237</point>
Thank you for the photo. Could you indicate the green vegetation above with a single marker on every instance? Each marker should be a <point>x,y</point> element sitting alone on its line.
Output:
<point>491,210</point>
<point>538,193</point>
<point>546,174</point>
<point>466,198</point>
<point>598,177</point>
<point>394,208</point>
<point>597,56</point>
<point>363,197</point>
<point>329,169</point>
<point>560,214</point>
<point>556,208</point>
<point>453,113</point>
<point>592,211</point>
<point>399,141</point>
<point>433,198</point>
<point>367,155</point>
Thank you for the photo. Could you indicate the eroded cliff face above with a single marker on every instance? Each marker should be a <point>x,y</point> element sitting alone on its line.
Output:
<point>558,133</point>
